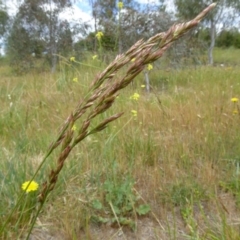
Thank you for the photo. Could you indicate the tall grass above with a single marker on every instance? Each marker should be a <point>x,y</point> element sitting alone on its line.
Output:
<point>179,156</point>
<point>183,158</point>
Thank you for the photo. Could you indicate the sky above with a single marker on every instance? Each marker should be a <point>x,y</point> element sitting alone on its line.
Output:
<point>80,10</point>
<point>83,10</point>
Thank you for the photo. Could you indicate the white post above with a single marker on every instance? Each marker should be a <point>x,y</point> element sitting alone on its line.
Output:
<point>147,81</point>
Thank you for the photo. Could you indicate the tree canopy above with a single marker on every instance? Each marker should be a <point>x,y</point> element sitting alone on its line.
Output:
<point>39,30</point>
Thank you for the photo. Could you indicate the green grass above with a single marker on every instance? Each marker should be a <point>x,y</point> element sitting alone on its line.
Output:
<point>178,158</point>
<point>227,56</point>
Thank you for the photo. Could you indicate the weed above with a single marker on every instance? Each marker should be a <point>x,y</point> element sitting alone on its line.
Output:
<point>119,203</point>
<point>163,148</point>
<point>182,193</point>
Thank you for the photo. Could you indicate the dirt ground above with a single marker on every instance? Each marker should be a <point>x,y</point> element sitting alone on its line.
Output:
<point>172,226</point>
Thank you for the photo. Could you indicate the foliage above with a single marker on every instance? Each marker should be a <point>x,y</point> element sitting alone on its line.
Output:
<point>39,31</point>
<point>4,23</point>
<point>228,38</point>
<point>189,127</point>
<point>232,185</point>
<point>119,203</point>
<point>182,193</point>
<point>181,148</point>
<point>4,18</point>
<point>90,117</point>
<point>188,8</point>
<point>123,27</point>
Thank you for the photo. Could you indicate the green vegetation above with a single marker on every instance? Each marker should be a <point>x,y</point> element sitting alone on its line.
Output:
<point>228,38</point>
<point>88,153</point>
<point>228,57</point>
<point>176,162</point>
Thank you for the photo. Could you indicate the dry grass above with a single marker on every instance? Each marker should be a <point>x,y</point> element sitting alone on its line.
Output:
<point>183,160</point>
<point>182,154</point>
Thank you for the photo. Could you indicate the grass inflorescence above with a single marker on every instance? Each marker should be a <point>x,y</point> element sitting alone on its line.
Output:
<point>172,157</point>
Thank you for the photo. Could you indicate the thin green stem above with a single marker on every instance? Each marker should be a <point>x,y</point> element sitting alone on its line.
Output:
<point>35,174</point>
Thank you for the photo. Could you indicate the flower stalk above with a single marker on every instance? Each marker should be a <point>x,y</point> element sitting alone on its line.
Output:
<point>105,88</point>
<point>102,94</point>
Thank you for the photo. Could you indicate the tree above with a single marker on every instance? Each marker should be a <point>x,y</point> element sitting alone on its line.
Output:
<point>186,9</point>
<point>37,27</point>
<point>229,38</point>
<point>144,23</point>
<point>4,20</point>
<point>108,19</point>
<point>123,22</point>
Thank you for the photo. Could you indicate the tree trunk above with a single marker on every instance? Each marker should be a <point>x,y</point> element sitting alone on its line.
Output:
<point>147,81</point>
<point>53,44</point>
<point>212,44</point>
<point>120,45</point>
<point>95,31</point>
<point>53,57</point>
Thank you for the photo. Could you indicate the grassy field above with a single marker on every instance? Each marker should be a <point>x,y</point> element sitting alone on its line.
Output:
<point>167,170</point>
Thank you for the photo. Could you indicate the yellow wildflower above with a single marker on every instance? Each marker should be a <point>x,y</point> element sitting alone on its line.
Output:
<point>234,99</point>
<point>149,67</point>
<point>75,79</point>
<point>134,113</point>
<point>135,96</point>
<point>74,128</point>
<point>133,59</point>
<point>94,57</point>
<point>99,35</point>
<point>235,112</point>
<point>29,186</point>
<point>120,5</point>
<point>143,86</point>
<point>72,59</point>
